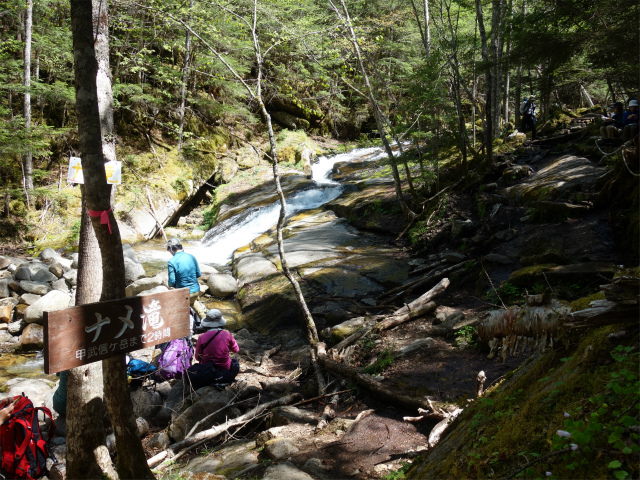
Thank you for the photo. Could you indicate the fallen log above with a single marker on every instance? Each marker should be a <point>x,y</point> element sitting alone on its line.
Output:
<point>602,312</point>
<point>419,307</point>
<point>268,353</point>
<point>171,454</point>
<point>439,429</point>
<point>367,382</point>
<point>431,277</point>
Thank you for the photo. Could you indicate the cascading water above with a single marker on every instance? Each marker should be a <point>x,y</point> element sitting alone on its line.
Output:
<point>219,243</point>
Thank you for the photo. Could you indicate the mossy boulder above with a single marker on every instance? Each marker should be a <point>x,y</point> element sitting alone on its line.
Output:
<point>579,274</point>
<point>228,170</point>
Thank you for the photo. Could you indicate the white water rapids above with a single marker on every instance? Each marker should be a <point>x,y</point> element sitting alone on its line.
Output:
<point>219,243</point>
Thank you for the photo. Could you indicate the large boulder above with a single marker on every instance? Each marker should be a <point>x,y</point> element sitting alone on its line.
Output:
<point>32,338</point>
<point>35,389</point>
<point>132,271</point>
<point>143,284</point>
<point>4,288</point>
<point>36,288</point>
<point>54,300</point>
<point>222,285</point>
<point>49,255</point>
<point>23,272</point>
<point>71,277</point>
<point>247,157</point>
<point>212,402</point>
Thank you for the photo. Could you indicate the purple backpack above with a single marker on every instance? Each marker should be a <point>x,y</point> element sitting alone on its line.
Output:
<point>175,359</point>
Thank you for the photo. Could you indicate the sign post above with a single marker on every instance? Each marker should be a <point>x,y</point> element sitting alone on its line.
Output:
<point>90,333</point>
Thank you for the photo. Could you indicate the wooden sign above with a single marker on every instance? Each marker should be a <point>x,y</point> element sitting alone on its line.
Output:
<point>90,333</point>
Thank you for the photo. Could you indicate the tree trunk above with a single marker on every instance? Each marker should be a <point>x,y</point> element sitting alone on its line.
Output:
<point>27,159</point>
<point>488,127</point>
<point>507,67</point>
<point>344,17</point>
<point>427,28</point>
<point>183,87</point>
<point>93,88</point>
<point>87,454</point>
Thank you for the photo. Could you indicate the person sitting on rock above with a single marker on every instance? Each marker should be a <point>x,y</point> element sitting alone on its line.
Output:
<point>213,354</point>
<point>612,126</point>
<point>184,271</point>
<point>630,121</point>
<point>528,111</point>
<point>60,396</point>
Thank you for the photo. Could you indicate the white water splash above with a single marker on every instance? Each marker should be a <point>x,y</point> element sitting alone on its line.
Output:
<point>219,243</point>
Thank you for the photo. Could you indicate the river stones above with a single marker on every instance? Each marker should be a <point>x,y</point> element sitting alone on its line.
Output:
<point>56,269</point>
<point>34,287</point>
<point>48,255</point>
<point>23,272</point>
<point>143,284</point>
<point>71,277</point>
<point>146,404</point>
<point>159,440</point>
<point>6,313</point>
<point>4,263</point>
<point>4,287</point>
<point>222,285</point>
<point>60,285</point>
<point>286,415</point>
<point>280,449</point>
<point>285,471</point>
<point>215,400</point>
<point>35,389</point>
<point>132,270</point>
<point>32,338</point>
<point>29,298</point>
<point>54,300</point>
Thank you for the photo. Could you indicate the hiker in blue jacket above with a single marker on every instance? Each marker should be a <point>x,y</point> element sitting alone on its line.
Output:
<point>184,272</point>
<point>630,121</point>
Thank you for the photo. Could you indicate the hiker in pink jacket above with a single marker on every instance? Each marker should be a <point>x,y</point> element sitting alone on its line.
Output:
<point>213,350</point>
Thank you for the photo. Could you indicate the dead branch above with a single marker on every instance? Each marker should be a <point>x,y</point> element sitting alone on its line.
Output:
<point>211,415</point>
<point>480,379</point>
<point>367,382</point>
<point>602,312</point>
<point>428,278</point>
<point>268,353</point>
<point>168,454</point>
<point>438,430</point>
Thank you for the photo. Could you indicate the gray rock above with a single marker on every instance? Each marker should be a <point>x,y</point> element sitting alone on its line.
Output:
<point>447,326</point>
<point>71,277</point>
<point>146,404</point>
<point>4,288</point>
<point>143,284</point>
<point>60,285</point>
<point>213,401</point>
<point>16,328</point>
<point>280,449</point>
<point>48,255</point>
<point>9,301</point>
<point>172,403</point>
<point>129,252</point>
<point>35,389</point>
<point>142,427</point>
<point>4,263</point>
<point>15,285</point>
<point>160,440</point>
<point>287,415</point>
<point>57,269</point>
<point>158,289</point>
<point>29,298</point>
<point>459,227</point>
<point>6,313</point>
<point>421,343</point>
<point>54,300</point>
<point>132,270</point>
<point>497,258</point>
<point>505,235</point>
<point>32,338</point>
<point>6,337</point>
<point>222,285</point>
<point>369,301</point>
<point>285,471</point>
<point>35,287</point>
<point>315,467</point>
<point>74,260</point>
<point>454,257</point>
<point>23,272</point>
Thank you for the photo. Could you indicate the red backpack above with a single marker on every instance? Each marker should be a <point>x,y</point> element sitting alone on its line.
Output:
<point>24,452</point>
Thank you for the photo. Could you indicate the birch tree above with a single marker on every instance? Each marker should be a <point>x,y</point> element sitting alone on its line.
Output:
<point>27,163</point>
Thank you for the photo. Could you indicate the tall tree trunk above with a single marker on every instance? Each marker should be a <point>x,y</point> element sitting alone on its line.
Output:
<point>185,77</point>
<point>507,66</point>
<point>427,28</point>
<point>93,88</point>
<point>344,17</point>
<point>488,126</point>
<point>27,159</point>
<point>87,454</point>
<point>518,99</point>
<point>495,55</point>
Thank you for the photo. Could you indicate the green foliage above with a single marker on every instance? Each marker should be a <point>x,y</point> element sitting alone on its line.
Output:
<point>468,335</point>
<point>398,474</point>
<point>384,360</point>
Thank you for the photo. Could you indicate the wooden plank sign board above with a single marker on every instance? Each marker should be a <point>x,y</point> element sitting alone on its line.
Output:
<point>90,333</point>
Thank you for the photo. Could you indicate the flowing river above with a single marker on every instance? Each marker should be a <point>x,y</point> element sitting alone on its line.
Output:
<point>217,246</point>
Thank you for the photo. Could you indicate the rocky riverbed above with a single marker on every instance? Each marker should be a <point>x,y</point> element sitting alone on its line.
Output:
<point>529,228</point>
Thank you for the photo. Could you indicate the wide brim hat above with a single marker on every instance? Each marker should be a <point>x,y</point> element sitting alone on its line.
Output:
<point>214,319</point>
<point>633,103</point>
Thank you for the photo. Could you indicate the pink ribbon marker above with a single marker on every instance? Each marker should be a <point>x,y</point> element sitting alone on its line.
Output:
<point>104,217</point>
